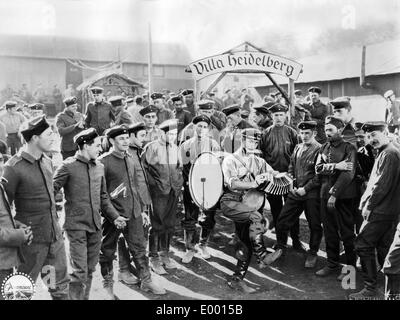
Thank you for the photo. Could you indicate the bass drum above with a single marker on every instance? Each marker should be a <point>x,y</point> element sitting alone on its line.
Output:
<point>206,180</point>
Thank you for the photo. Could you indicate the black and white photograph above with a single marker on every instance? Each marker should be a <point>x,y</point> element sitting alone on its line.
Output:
<point>199,154</point>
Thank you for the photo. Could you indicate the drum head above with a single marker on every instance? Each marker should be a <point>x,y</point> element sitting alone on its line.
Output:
<point>206,180</point>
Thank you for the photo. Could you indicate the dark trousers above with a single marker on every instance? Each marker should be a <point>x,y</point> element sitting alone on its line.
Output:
<point>376,234</point>
<point>290,214</point>
<point>192,213</point>
<point>84,248</point>
<point>339,226</point>
<point>163,221</point>
<point>134,236</point>
<point>3,275</point>
<point>14,143</point>
<point>392,262</point>
<point>276,203</point>
<point>67,154</point>
<point>44,258</point>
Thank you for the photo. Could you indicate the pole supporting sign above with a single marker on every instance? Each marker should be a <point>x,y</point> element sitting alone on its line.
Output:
<point>246,61</point>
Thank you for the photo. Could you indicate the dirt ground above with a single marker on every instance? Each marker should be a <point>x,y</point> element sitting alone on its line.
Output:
<point>285,279</point>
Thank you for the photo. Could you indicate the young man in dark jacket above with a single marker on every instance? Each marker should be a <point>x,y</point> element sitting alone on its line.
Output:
<point>82,178</point>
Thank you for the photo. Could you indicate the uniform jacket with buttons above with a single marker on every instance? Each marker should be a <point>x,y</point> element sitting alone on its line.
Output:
<point>85,194</point>
<point>66,123</point>
<point>121,183</point>
<point>11,238</point>
<point>99,116</point>
<point>30,187</point>
<point>340,184</point>
<point>318,112</point>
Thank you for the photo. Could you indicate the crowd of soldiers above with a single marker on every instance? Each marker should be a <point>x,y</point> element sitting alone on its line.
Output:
<point>126,164</point>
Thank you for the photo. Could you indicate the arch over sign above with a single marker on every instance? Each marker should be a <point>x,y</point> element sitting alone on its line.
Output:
<point>248,61</point>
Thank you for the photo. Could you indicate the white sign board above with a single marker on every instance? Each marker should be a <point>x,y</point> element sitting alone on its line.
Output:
<point>246,61</point>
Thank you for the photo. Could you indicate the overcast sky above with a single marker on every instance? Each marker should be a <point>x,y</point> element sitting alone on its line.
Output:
<point>206,27</point>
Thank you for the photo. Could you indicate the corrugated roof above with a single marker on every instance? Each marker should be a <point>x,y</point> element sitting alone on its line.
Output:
<point>100,75</point>
<point>381,58</point>
<point>91,50</point>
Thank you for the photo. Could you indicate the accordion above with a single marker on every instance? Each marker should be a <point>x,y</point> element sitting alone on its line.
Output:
<point>278,185</point>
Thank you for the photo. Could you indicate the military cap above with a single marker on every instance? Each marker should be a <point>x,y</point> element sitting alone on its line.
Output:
<point>85,136</point>
<point>341,102</point>
<point>305,125</point>
<point>244,114</point>
<point>34,127</point>
<point>96,90</point>
<point>275,93</point>
<point>136,127</point>
<point>70,101</point>
<point>388,94</point>
<point>157,95</point>
<point>251,133</point>
<point>117,131</point>
<point>205,104</point>
<point>201,118</point>
<point>264,108</point>
<point>176,98</point>
<point>168,125</point>
<point>298,92</point>
<point>116,101</point>
<point>231,109</point>
<point>374,126</point>
<point>338,123</point>
<point>10,104</point>
<point>129,99</point>
<point>315,90</point>
<point>358,125</point>
<point>187,92</point>
<point>278,107</point>
<point>149,109</point>
<point>36,106</point>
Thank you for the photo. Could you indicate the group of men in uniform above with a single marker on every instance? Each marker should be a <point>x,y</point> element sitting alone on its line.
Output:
<point>124,198</point>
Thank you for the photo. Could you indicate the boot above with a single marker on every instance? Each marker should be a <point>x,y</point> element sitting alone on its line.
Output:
<point>189,254</point>
<point>326,271</point>
<point>298,246</point>
<point>124,259</point>
<point>370,274</point>
<point>165,254</point>
<point>156,266</point>
<point>127,278</point>
<point>153,244</point>
<point>88,286</point>
<point>311,261</point>
<point>392,287</point>
<point>151,286</point>
<point>108,285</point>
<point>76,291</point>
<point>263,258</point>
<point>236,281</point>
<point>204,253</point>
<point>202,247</point>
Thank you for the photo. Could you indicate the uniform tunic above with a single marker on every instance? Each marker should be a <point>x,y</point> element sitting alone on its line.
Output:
<point>99,116</point>
<point>66,123</point>
<point>318,112</point>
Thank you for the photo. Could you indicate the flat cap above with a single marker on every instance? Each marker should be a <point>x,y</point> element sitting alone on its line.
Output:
<point>176,98</point>
<point>70,101</point>
<point>149,109</point>
<point>36,106</point>
<point>168,125</point>
<point>305,125</point>
<point>186,92</point>
<point>374,126</point>
<point>96,90</point>
<point>116,101</point>
<point>388,93</point>
<point>205,104</point>
<point>275,93</point>
<point>135,127</point>
<point>201,118</point>
<point>278,107</point>
<point>34,127</point>
<point>341,102</point>
<point>338,123</point>
<point>231,109</point>
<point>298,92</point>
<point>157,95</point>
<point>315,90</point>
<point>117,131</point>
<point>251,133</point>
<point>264,108</point>
<point>10,104</point>
<point>85,136</point>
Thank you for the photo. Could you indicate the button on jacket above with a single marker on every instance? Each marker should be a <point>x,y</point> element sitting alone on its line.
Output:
<point>85,194</point>
<point>340,184</point>
<point>119,169</point>
<point>29,184</point>
<point>302,168</point>
<point>382,196</point>
<point>66,125</point>
<point>99,116</point>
